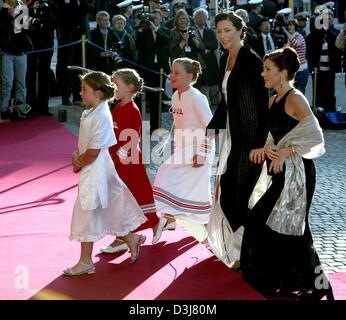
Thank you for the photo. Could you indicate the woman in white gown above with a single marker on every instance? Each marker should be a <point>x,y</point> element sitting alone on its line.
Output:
<point>104,204</point>
<point>182,187</point>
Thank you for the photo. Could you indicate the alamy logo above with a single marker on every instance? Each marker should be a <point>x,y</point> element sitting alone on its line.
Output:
<point>22,277</point>
<point>322,20</point>
<point>21,18</point>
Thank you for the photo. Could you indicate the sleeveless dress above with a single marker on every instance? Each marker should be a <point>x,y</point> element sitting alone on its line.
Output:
<point>273,263</point>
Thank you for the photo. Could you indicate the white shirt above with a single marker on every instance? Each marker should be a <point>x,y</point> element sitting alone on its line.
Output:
<point>191,115</point>
<point>224,84</point>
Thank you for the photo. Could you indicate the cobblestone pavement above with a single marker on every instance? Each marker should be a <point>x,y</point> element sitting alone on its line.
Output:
<point>328,210</point>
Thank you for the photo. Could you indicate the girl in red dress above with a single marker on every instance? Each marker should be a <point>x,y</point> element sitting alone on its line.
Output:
<point>127,155</point>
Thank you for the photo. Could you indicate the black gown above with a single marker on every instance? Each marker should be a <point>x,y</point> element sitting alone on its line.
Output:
<point>274,263</point>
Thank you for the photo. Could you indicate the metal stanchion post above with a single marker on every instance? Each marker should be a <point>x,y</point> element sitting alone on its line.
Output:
<point>160,96</point>
<point>314,91</point>
<point>143,103</point>
<point>83,51</point>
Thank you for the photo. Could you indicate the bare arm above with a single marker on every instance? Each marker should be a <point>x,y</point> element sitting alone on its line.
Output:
<point>298,108</point>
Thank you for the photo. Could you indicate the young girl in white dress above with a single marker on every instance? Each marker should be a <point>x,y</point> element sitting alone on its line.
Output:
<point>104,204</point>
<point>182,187</point>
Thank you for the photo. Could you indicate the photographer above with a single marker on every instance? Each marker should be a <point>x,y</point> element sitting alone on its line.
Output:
<point>14,44</point>
<point>280,22</point>
<point>278,32</point>
<point>102,36</point>
<point>124,44</point>
<point>326,57</point>
<point>44,15</point>
<point>153,39</point>
<point>183,41</point>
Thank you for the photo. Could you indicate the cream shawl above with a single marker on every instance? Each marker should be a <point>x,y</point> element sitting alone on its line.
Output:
<point>288,214</point>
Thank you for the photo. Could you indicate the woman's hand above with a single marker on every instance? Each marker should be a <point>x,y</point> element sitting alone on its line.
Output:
<point>257,156</point>
<point>75,161</point>
<point>277,164</point>
<point>271,151</point>
<point>197,161</point>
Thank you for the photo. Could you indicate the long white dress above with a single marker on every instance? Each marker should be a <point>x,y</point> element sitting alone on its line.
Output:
<point>179,189</point>
<point>104,204</point>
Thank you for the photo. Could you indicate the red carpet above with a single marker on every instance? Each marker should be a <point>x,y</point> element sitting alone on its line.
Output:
<point>338,281</point>
<point>37,192</point>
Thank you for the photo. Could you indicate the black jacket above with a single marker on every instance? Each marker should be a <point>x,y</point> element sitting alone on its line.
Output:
<point>247,100</point>
<point>73,21</point>
<point>147,48</point>
<point>314,42</point>
<point>45,22</point>
<point>11,42</point>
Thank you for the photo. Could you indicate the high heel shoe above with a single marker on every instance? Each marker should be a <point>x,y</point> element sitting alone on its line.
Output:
<point>85,269</point>
<point>141,240</point>
<point>236,266</point>
<point>116,249</point>
<point>160,227</point>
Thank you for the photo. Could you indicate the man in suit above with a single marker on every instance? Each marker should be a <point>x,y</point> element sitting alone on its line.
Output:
<point>153,41</point>
<point>265,41</point>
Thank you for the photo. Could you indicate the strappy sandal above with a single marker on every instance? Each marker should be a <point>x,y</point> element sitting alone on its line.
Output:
<point>84,269</point>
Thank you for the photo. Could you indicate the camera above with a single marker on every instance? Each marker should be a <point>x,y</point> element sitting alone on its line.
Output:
<point>191,34</point>
<point>279,23</point>
<point>43,3</point>
<point>145,18</point>
<point>279,34</point>
<point>120,46</point>
<point>116,58</point>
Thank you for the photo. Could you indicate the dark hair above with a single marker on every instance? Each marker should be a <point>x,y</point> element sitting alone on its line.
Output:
<point>190,66</point>
<point>237,21</point>
<point>285,59</point>
<point>130,76</point>
<point>98,80</point>
<point>293,22</point>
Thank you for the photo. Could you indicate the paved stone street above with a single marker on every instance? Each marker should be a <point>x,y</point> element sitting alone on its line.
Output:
<point>327,214</point>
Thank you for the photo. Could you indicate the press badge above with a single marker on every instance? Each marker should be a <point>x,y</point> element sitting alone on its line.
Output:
<point>187,49</point>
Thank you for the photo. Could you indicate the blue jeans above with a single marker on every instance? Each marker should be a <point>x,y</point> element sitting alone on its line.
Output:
<point>13,68</point>
<point>301,80</point>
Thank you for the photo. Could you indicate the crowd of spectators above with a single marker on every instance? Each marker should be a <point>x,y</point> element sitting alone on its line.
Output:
<point>148,37</point>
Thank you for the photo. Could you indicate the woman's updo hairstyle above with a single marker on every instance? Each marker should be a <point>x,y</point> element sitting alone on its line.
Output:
<point>98,80</point>
<point>237,21</point>
<point>190,66</point>
<point>285,59</point>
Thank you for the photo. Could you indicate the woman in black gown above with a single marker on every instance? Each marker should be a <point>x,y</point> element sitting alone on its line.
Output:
<point>282,262</point>
<point>244,103</point>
